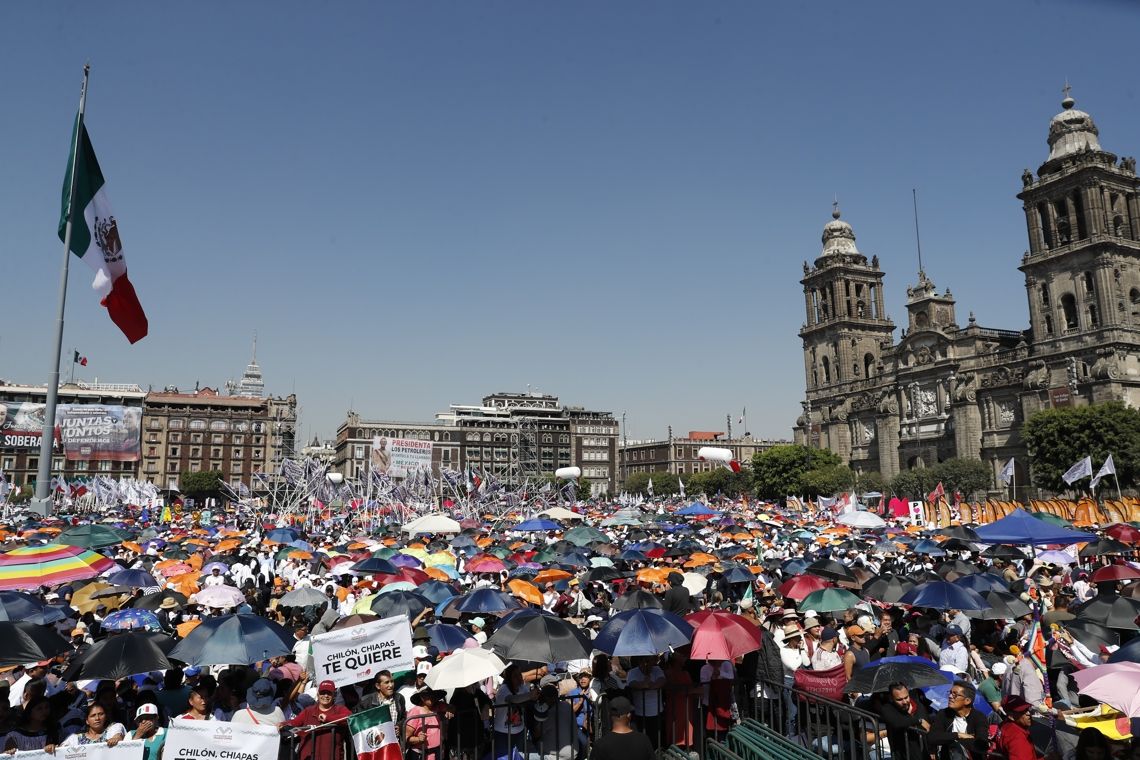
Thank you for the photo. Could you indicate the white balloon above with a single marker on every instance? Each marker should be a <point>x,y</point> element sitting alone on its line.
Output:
<point>568,473</point>
<point>714,454</point>
<point>336,478</point>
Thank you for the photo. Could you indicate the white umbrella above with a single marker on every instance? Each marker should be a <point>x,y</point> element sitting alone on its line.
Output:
<point>861,520</point>
<point>464,667</point>
<point>560,513</point>
<point>435,523</point>
<point>219,597</point>
<point>695,583</point>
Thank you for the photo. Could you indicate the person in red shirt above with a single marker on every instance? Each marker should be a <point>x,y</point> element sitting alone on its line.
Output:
<point>1013,736</point>
<point>328,742</point>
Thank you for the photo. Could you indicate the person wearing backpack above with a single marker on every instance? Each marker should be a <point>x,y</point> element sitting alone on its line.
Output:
<point>1012,741</point>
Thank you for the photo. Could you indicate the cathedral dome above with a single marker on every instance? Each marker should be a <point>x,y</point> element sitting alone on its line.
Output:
<point>838,237</point>
<point>1071,131</point>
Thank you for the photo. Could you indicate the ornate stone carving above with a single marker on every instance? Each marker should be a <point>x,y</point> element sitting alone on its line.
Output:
<point>888,403</point>
<point>965,388</point>
<point>1037,378</point>
<point>868,432</point>
<point>1107,365</point>
<point>925,402</point>
<point>1006,412</point>
<point>1002,376</point>
<point>923,355</point>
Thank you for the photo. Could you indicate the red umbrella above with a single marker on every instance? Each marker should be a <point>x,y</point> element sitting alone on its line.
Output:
<point>722,635</point>
<point>1115,573</point>
<point>1122,532</point>
<point>485,563</point>
<point>412,575</point>
<point>802,585</point>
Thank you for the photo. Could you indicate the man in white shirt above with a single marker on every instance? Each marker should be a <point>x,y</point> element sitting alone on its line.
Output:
<point>954,653</point>
<point>215,578</point>
<point>32,671</point>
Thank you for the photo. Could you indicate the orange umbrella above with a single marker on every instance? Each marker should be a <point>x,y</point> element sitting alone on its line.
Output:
<point>298,554</point>
<point>132,546</point>
<point>195,561</point>
<point>700,558</point>
<point>185,628</point>
<point>435,572</point>
<point>653,574</point>
<point>528,592</point>
<point>552,575</point>
<point>225,546</point>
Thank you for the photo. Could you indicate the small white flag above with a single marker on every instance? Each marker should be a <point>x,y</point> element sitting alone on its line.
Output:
<point>1081,469</point>
<point>682,484</point>
<point>1007,472</point>
<point>1108,468</point>
<point>649,488</point>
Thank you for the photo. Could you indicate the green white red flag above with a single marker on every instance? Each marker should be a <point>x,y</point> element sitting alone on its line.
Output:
<point>374,734</point>
<point>95,238</point>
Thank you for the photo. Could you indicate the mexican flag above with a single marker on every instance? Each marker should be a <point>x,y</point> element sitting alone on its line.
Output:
<point>95,237</point>
<point>374,734</point>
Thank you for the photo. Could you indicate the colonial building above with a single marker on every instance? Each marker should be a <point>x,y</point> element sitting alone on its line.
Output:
<point>517,437</point>
<point>950,390</point>
<point>679,455</point>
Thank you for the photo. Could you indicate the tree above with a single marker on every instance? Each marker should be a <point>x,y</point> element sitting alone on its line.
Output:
<point>23,495</point>
<point>201,485</point>
<point>664,483</point>
<point>720,480</point>
<point>870,481</point>
<point>1058,438</point>
<point>778,471</point>
<point>966,476</point>
<point>914,484</point>
<point>826,480</point>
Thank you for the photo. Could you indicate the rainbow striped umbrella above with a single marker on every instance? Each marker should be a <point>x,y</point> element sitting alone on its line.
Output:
<point>33,566</point>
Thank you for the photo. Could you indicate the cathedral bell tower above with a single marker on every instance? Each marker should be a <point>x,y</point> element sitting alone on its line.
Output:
<point>846,327</point>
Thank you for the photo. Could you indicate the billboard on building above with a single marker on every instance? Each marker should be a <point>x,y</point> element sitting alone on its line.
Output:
<point>400,457</point>
<point>94,432</point>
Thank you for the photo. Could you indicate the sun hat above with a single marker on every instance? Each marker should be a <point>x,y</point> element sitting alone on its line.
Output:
<point>259,696</point>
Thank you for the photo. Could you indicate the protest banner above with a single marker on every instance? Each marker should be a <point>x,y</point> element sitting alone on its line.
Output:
<point>218,740</point>
<point>356,654</point>
<point>127,750</point>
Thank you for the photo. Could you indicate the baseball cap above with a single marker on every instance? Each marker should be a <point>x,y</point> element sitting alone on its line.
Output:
<point>192,671</point>
<point>479,622</point>
<point>423,667</point>
<point>999,668</point>
<point>620,706</point>
<point>1014,705</point>
<point>326,687</point>
<point>146,708</point>
<point>856,630</point>
<point>829,634</point>
<point>953,630</point>
<point>420,652</point>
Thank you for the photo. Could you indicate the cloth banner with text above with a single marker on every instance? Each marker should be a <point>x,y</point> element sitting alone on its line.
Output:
<point>128,750</point>
<point>218,740</point>
<point>354,654</point>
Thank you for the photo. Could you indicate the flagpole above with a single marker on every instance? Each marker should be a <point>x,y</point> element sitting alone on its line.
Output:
<point>41,503</point>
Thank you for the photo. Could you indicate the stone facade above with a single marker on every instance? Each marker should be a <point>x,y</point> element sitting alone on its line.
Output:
<point>946,390</point>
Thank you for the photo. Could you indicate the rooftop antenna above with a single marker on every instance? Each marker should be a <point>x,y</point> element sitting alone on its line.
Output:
<point>917,237</point>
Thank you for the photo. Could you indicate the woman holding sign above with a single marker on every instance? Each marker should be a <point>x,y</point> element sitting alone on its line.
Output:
<point>97,732</point>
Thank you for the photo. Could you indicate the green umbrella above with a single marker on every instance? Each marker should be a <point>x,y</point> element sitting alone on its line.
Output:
<point>584,534</point>
<point>1051,518</point>
<point>93,536</point>
<point>829,600</point>
<point>386,553</point>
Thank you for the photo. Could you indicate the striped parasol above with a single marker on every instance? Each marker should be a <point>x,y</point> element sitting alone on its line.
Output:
<point>33,566</point>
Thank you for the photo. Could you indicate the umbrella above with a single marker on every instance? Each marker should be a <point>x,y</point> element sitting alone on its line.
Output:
<point>486,600</point>
<point>722,635</point>
<point>585,534</point>
<point>1001,605</point>
<point>49,565</point>
<point>887,588</point>
<point>960,532</point>
<point>131,619</point>
<point>372,566</point>
<point>982,582</point>
<point>396,603</point>
<point>1056,557</point>
<point>526,591</point>
<point>878,676</point>
<point>955,567</point>
<point>353,620</point>
<point>830,569</point>
<point>92,536</point>
<point>21,606</point>
<point>28,642</point>
<point>1115,573</point>
<point>1129,534</point>
<point>1129,652</point>
<point>447,638</point>
<point>306,596</point>
<point>464,667</point>
<point>485,563</point>
<point>434,523</point>
<point>133,578</point>
<point>637,598</point>
<point>1003,551</point>
<point>154,601</point>
<point>858,519</point>
<point>1117,684</point>
<point>943,595</point>
<point>233,640</point>
<point>829,600</point>
<point>283,535</point>
<point>695,583</point>
<point>639,632</point>
<point>537,524</point>
<point>219,597</point>
<point>1110,610</point>
<point>1091,634</point>
<point>119,656</point>
<point>540,638</point>
<point>1020,528</point>
<point>802,585</point>
<point>931,548</point>
<point>1104,546</point>
<point>436,591</point>
<point>84,599</point>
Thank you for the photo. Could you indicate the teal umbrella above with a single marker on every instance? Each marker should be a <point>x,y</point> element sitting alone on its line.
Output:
<point>829,600</point>
<point>93,536</point>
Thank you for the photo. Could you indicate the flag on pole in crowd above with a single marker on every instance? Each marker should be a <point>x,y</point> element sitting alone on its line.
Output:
<point>80,360</point>
<point>681,483</point>
<point>1007,472</point>
<point>374,734</point>
<point>1108,468</point>
<point>1081,469</point>
<point>936,495</point>
<point>649,487</point>
<point>95,237</point>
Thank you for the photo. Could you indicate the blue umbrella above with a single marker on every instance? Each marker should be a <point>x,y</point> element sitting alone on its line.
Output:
<point>131,619</point>
<point>537,524</point>
<point>525,612</point>
<point>374,566</point>
<point>447,638</point>
<point>297,543</point>
<point>282,535</point>
<point>135,578</point>
<point>738,574</point>
<point>233,640</point>
<point>695,509</point>
<point>632,555</point>
<point>796,566</point>
<point>22,606</point>
<point>436,591</point>
<point>463,542</point>
<point>926,546</point>
<point>643,631</point>
<point>982,583</point>
<point>487,600</point>
<point>943,595</point>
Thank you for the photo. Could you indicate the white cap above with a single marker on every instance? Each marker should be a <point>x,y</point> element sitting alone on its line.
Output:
<point>999,668</point>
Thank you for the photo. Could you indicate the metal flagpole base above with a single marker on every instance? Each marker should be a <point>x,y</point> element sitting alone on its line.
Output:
<point>42,507</point>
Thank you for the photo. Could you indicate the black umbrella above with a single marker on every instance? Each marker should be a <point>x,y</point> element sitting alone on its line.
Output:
<point>960,532</point>
<point>879,676</point>
<point>602,574</point>
<point>118,656</point>
<point>540,638</point>
<point>373,566</point>
<point>637,599</point>
<point>955,568</point>
<point>24,607</point>
<point>399,603</point>
<point>956,545</point>
<point>153,601</point>
<point>1105,546</point>
<point>233,640</point>
<point>830,569</point>
<point>1091,634</point>
<point>1110,610</point>
<point>27,642</point>
<point>1002,551</point>
<point>887,588</point>
<point>1003,606</point>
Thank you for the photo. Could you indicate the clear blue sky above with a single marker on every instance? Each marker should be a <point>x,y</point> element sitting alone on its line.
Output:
<point>416,203</point>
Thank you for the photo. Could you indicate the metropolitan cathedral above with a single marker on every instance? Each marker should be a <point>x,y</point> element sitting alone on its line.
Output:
<point>945,389</point>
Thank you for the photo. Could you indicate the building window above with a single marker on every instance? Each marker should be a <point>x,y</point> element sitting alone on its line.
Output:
<point>1089,289</point>
<point>1045,295</point>
<point>195,467</point>
<point>239,439</point>
<point>217,438</point>
<point>173,451</point>
<point>177,424</point>
<point>216,451</point>
<point>1069,308</point>
<point>868,365</point>
<point>104,466</point>
<point>81,465</point>
<point>1094,320</point>
<point>1048,324</point>
<point>358,452</point>
<point>241,427</point>
<point>826,370</point>
<point>176,437</point>
<point>152,451</point>
<point>9,463</point>
<point>237,454</point>
<point>218,425</point>
<point>195,452</point>
<point>197,424</point>
<point>195,438</point>
<point>172,467</point>
<point>259,427</point>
